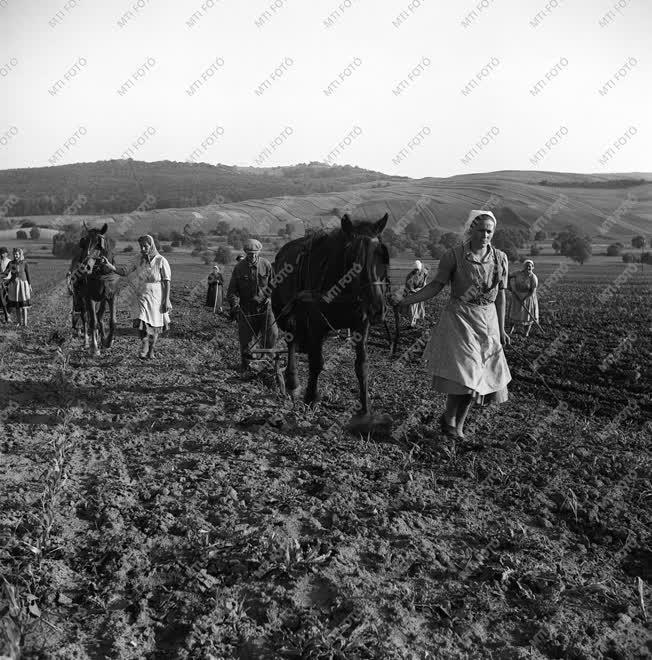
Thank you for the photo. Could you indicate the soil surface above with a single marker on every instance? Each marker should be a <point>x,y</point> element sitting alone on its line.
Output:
<point>172,509</point>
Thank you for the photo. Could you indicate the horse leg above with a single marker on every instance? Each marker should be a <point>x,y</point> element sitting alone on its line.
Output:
<point>290,376</point>
<point>362,369</point>
<point>100,322</point>
<point>112,314</point>
<point>90,308</point>
<point>315,366</point>
<point>85,315</point>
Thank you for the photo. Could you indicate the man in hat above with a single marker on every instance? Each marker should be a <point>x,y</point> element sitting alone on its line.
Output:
<point>249,297</point>
<point>415,281</point>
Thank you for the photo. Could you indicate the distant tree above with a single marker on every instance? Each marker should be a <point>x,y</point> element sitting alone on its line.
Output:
<point>556,245</point>
<point>413,230</point>
<point>175,244</point>
<point>638,242</point>
<point>534,250</point>
<point>26,224</point>
<point>21,235</point>
<point>579,249</point>
<point>511,252</point>
<point>630,258</point>
<point>434,235</point>
<point>66,242</point>
<point>418,251</point>
<point>167,248</point>
<point>128,248</point>
<point>223,255</point>
<point>540,235</point>
<point>222,228</point>
<point>646,258</point>
<point>437,250</point>
<point>35,233</point>
<point>614,250</point>
<point>449,239</point>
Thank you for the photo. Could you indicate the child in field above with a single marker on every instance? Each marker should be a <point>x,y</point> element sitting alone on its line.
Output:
<point>465,352</point>
<point>20,290</point>
<point>4,262</point>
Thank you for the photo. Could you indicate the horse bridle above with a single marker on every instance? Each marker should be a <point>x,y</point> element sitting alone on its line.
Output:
<point>92,255</point>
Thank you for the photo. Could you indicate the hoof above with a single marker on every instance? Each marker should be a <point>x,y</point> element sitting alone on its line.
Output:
<point>369,423</point>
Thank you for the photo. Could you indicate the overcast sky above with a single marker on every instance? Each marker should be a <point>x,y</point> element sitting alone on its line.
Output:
<point>397,104</point>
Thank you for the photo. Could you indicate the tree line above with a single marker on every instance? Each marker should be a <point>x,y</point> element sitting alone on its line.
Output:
<point>118,186</point>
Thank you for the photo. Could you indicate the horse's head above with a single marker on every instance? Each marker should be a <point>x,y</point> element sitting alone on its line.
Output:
<point>93,246</point>
<point>367,261</point>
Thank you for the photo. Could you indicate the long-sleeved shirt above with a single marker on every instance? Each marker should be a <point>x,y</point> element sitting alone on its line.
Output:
<point>416,280</point>
<point>251,284</point>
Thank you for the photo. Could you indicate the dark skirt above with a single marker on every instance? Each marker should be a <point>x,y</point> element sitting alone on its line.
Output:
<point>214,295</point>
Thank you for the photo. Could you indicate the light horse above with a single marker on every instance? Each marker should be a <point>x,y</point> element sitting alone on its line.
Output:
<point>328,281</point>
<point>94,287</point>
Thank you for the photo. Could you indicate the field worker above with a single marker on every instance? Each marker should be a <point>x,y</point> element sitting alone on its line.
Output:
<point>415,281</point>
<point>151,284</point>
<point>464,355</point>
<point>19,291</point>
<point>215,289</point>
<point>76,304</point>
<point>249,297</point>
<point>524,309</point>
<point>240,257</point>
<point>4,262</point>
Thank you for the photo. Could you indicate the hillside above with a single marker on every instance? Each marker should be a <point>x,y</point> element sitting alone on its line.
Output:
<point>120,186</point>
<point>607,207</point>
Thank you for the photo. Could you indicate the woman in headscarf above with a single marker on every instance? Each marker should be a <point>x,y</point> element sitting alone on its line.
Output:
<point>4,262</point>
<point>151,307</point>
<point>524,309</point>
<point>19,292</point>
<point>464,355</point>
<point>415,281</point>
<point>215,289</point>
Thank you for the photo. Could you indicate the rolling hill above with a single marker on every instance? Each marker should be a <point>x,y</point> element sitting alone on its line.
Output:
<point>608,207</point>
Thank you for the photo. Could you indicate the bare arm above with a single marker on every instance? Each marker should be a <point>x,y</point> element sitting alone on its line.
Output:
<point>500,309</point>
<point>165,298</point>
<point>428,291</point>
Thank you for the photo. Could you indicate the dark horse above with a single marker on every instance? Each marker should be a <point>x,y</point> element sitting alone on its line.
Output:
<point>94,287</point>
<point>327,281</point>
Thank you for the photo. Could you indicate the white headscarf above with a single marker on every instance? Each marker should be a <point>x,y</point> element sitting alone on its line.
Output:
<point>471,220</point>
<point>418,265</point>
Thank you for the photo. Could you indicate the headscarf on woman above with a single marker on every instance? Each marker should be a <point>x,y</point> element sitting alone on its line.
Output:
<point>528,261</point>
<point>146,257</point>
<point>471,222</point>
